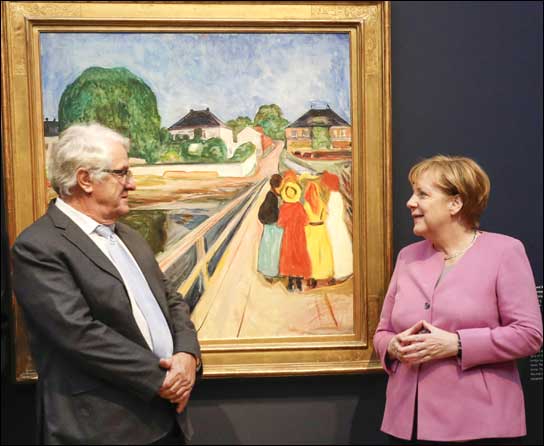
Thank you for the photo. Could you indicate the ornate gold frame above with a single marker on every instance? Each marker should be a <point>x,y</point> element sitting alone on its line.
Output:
<point>368,24</point>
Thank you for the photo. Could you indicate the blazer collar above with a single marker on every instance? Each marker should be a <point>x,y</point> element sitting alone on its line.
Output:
<point>82,241</point>
<point>434,264</point>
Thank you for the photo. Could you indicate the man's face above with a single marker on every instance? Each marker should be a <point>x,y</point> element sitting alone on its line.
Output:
<point>110,194</point>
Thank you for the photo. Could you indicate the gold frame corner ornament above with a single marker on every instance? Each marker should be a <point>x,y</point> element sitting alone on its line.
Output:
<point>367,23</point>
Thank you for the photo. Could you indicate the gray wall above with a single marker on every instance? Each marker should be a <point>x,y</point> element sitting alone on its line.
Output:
<point>467,79</point>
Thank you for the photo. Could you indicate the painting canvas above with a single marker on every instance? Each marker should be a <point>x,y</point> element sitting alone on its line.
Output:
<point>212,119</point>
<point>261,151</point>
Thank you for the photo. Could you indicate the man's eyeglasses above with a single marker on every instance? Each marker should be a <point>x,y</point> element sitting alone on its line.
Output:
<point>123,174</point>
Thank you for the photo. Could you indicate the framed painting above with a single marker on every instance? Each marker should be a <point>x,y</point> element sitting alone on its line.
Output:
<point>261,149</point>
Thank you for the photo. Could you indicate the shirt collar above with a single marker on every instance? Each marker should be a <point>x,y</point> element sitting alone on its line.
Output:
<point>86,223</point>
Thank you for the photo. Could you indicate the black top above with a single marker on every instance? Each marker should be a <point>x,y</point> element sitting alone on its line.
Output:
<point>268,212</point>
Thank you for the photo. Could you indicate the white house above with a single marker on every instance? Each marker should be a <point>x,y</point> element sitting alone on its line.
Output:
<point>251,135</point>
<point>211,125</point>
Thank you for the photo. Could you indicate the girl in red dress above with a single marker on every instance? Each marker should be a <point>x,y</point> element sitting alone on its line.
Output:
<point>294,258</point>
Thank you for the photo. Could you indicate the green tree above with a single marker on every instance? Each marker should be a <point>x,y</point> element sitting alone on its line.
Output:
<point>165,137</point>
<point>243,152</point>
<point>239,124</point>
<point>198,134</point>
<point>170,156</point>
<point>214,151</point>
<point>270,118</point>
<point>191,150</point>
<point>320,138</point>
<point>118,99</point>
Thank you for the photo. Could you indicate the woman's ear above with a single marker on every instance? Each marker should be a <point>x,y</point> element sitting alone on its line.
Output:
<point>84,180</point>
<point>455,204</point>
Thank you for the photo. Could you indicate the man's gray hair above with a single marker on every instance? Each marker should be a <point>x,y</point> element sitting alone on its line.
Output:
<point>84,146</point>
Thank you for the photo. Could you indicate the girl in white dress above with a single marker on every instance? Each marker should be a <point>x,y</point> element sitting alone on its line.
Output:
<point>339,236</point>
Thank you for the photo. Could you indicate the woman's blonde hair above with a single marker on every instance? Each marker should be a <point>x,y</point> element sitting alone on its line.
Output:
<point>457,175</point>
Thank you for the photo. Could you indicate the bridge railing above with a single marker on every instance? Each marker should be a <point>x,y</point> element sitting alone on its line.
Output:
<point>191,262</point>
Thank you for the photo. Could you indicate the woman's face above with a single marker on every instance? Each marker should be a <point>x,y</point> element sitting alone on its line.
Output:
<point>432,209</point>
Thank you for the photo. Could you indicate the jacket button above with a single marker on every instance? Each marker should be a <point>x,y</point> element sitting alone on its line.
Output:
<point>427,305</point>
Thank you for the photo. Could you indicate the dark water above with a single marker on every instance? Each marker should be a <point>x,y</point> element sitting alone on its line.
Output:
<point>162,228</point>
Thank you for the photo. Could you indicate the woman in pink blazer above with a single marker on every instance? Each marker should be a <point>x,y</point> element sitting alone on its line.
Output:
<point>460,309</point>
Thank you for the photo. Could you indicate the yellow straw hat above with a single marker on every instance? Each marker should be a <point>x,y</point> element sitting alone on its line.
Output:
<point>291,192</point>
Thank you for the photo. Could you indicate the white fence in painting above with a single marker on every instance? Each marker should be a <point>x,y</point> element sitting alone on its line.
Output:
<point>242,169</point>
<point>209,248</point>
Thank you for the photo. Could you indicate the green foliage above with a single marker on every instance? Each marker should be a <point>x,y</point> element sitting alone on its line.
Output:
<point>170,156</point>
<point>191,150</point>
<point>243,152</point>
<point>320,138</point>
<point>118,99</point>
<point>165,137</point>
<point>214,151</point>
<point>270,118</point>
<point>198,134</point>
<point>197,150</point>
<point>239,124</point>
<point>150,225</point>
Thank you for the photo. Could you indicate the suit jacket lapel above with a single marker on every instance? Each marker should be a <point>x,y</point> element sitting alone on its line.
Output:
<point>81,241</point>
<point>434,265</point>
<point>425,270</point>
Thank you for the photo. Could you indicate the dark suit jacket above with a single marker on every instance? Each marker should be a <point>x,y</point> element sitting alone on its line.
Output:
<point>98,379</point>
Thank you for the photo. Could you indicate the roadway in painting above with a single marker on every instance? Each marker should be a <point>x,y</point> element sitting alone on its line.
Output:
<point>211,118</point>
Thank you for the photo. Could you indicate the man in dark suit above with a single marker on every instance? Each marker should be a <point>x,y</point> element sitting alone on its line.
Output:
<point>114,347</point>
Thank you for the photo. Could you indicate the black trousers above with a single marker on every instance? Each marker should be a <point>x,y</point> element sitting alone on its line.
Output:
<point>174,437</point>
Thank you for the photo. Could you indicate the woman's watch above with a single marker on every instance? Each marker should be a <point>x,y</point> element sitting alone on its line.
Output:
<point>459,347</point>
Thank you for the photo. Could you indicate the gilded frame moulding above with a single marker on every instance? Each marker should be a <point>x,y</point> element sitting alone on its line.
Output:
<point>368,27</point>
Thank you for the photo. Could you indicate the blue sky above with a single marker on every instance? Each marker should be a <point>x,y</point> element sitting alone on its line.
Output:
<point>232,74</point>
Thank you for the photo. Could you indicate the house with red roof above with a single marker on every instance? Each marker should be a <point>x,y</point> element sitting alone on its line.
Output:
<point>319,130</point>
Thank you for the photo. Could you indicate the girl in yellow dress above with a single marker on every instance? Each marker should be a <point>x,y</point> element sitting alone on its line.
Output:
<point>317,238</point>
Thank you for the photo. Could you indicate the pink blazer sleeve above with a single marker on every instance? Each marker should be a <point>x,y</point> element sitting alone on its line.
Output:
<point>520,332</point>
<point>384,331</point>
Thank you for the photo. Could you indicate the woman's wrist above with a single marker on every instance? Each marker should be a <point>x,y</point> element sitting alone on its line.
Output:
<point>390,353</point>
<point>459,354</point>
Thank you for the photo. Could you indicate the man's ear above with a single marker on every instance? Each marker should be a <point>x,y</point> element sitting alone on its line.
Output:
<point>84,180</point>
<point>456,204</point>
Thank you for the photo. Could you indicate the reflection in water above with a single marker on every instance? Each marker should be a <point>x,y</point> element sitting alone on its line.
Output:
<point>150,225</point>
<point>164,227</point>
<point>165,224</point>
